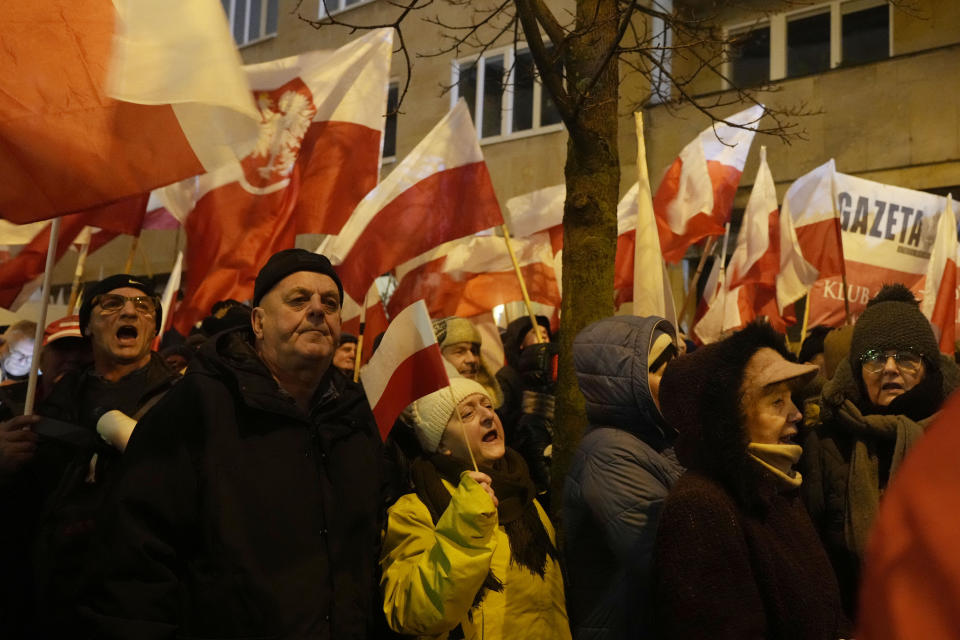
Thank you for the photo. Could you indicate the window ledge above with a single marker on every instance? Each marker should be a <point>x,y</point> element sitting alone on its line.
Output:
<point>250,43</point>
<point>519,135</point>
<point>324,14</point>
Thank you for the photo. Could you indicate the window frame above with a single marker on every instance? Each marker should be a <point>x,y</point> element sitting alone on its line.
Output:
<point>777,23</point>
<point>264,4</point>
<point>323,12</point>
<point>509,53</point>
<point>385,160</point>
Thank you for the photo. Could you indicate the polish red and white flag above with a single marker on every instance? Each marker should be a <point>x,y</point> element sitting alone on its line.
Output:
<point>317,155</point>
<point>407,366</point>
<point>473,275</point>
<point>695,196</point>
<point>374,320</point>
<point>20,275</point>
<point>939,301</point>
<point>440,192</point>
<point>810,244</point>
<point>108,99</point>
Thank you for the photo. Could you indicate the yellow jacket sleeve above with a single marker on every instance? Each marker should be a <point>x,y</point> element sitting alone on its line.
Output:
<point>432,574</point>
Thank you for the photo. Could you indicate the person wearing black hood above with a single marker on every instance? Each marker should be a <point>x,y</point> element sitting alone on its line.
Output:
<point>528,385</point>
<point>619,477</point>
<point>877,405</point>
<point>736,554</point>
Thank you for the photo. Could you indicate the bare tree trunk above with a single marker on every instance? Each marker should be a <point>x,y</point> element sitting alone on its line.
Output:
<point>590,211</point>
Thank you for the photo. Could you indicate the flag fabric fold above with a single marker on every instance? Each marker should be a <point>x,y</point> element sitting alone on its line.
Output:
<point>375,320</point>
<point>756,259</point>
<point>473,275</point>
<point>939,301</point>
<point>695,196</point>
<point>317,154</point>
<point>440,192</point>
<point>407,366</point>
<point>176,104</point>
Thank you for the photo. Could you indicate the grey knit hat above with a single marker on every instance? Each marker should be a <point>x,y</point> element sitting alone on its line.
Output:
<point>893,320</point>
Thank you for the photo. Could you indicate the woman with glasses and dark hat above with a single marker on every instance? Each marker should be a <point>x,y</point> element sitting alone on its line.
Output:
<point>878,404</point>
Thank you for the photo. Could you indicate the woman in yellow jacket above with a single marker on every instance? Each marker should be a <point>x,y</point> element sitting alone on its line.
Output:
<point>470,554</point>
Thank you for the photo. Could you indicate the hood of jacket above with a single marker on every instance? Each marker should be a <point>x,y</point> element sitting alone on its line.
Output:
<point>700,396</point>
<point>922,401</point>
<point>610,358</point>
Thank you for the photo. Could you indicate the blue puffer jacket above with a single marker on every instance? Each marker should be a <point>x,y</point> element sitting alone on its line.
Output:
<point>617,482</point>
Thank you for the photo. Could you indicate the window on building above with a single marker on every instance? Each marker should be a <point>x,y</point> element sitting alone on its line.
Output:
<point>811,40</point>
<point>808,44</point>
<point>390,127</point>
<point>503,93</point>
<point>866,35</point>
<point>328,7</point>
<point>251,20</point>
<point>750,56</point>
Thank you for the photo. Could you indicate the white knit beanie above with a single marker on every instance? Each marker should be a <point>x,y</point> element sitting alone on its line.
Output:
<point>432,412</point>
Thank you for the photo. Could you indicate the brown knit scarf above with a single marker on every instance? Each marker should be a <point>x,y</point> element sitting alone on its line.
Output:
<point>530,544</point>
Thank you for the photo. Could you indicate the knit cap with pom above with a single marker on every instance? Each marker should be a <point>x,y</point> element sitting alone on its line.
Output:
<point>893,321</point>
<point>432,412</point>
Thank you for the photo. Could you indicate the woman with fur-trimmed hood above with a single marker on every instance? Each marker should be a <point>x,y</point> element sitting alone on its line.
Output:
<point>877,405</point>
<point>736,555</point>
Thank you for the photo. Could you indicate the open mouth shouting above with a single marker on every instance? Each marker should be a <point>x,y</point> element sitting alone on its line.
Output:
<point>490,436</point>
<point>127,334</point>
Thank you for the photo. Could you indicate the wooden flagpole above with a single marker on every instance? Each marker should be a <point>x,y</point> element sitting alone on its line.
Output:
<point>363,326</point>
<point>77,275</point>
<point>130,256</point>
<point>722,277</point>
<point>523,285</point>
<point>42,320</point>
<point>692,291</point>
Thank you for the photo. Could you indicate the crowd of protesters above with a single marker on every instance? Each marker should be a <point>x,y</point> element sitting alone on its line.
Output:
<point>236,486</point>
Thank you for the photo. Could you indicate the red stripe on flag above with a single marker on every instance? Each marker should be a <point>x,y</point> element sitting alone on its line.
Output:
<point>444,206</point>
<point>764,271</point>
<point>623,268</point>
<point>420,374</point>
<point>944,313</point>
<point>337,177</point>
<point>819,244</point>
<point>864,280</point>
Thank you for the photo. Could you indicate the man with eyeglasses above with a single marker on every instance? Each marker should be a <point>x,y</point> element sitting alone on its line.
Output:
<point>249,502</point>
<point>877,405</point>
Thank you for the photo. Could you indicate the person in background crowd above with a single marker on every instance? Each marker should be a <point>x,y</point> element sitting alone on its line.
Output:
<point>620,475</point>
<point>249,499</point>
<point>736,555</point>
<point>811,351</point>
<point>225,314</point>
<point>460,345</point>
<point>836,348</point>
<point>528,383</point>
<point>872,412</point>
<point>16,351</point>
<point>345,357</point>
<point>470,554</point>
<point>911,583</point>
<point>178,357</point>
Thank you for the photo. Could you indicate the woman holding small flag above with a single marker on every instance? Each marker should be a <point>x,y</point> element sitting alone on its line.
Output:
<point>470,553</point>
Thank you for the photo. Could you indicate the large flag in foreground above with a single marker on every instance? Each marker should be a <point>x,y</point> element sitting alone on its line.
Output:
<point>471,276</point>
<point>322,114</point>
<point>440,192</point>
<point>695,196</point>
<point>407,366</point>
<point>939,302</point>
<point>177,105</point>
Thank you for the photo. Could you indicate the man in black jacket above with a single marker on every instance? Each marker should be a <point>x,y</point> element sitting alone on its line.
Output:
<point>248,503</point>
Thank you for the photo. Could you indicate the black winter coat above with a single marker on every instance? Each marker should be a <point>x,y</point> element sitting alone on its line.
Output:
<point>618,480</point>
<point>240,516</point>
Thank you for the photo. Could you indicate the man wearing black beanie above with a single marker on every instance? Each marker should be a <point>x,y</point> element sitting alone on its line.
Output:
<point>249,503</point>
<point>877,405</point>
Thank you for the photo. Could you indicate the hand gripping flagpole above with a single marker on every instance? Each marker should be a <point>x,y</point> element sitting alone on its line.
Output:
<point>523,285</point>
<point>42,320</point>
